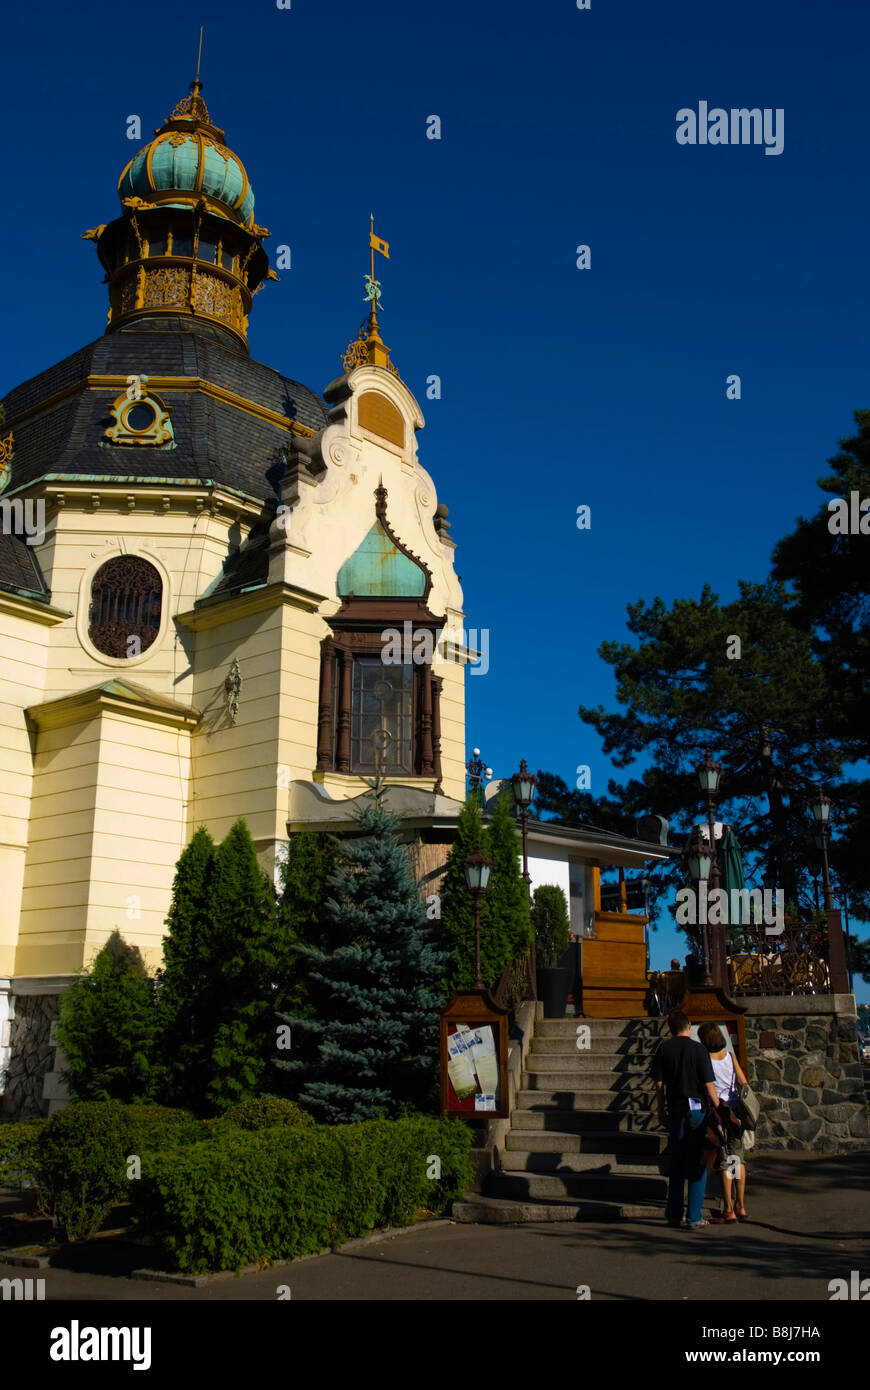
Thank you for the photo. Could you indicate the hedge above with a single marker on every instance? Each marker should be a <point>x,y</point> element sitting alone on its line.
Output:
<point>81,1157</point>
<point>279,1193</point>
<point>18,1152</point>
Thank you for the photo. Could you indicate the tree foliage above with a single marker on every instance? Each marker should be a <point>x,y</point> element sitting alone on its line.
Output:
<point>371,1047</point>
<point>107,1025</point>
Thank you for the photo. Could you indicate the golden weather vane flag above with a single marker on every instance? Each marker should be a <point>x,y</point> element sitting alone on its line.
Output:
<point>377,244</point>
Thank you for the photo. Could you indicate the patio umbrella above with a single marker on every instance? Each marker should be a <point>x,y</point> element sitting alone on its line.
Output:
<point>731,870</point>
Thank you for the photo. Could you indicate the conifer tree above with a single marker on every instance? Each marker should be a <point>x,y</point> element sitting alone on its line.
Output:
<point>305,872</point>
<point>182,993</point>
<point>505,906</point>
<point>457,904</point>
<point>107,1027</point>
<point>372,1046</point>
<point>223,955</point>
<point>504,918</point>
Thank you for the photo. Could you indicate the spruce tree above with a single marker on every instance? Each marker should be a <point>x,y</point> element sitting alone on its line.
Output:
<point>372,1047</point>
<point>107,1027</point>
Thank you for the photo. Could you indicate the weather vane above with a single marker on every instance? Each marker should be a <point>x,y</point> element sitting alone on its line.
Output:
<point>373,287</point>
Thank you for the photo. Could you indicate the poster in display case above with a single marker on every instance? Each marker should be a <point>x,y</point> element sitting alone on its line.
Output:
<point>474,1046</point>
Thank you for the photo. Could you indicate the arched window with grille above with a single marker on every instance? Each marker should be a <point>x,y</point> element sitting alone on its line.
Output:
<point>126,602</point>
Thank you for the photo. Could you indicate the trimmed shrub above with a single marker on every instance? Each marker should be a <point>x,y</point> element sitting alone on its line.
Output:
<point>18,1152</point>
<point>265,1112</point>
<point>551,923</point>
<point>80,1157</point>
<point>246,1196</point>
<point>81,1164</point>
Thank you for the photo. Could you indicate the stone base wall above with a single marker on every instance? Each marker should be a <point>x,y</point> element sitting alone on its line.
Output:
<point>806,1070</point>
<point>31,1086</point>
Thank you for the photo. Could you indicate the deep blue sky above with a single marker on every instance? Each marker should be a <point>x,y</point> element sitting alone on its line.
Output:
<point>560,386</point>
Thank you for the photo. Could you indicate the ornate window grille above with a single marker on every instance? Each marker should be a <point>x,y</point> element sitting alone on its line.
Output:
<point>126,601</point>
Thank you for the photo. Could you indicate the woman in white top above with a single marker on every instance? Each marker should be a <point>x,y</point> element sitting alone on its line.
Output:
<point>728,1076</point>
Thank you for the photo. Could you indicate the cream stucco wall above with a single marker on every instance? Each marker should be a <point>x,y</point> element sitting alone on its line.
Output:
<point>101,791</point>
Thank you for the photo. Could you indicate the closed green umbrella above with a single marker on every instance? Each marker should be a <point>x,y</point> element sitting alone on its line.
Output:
<point>731,872</point>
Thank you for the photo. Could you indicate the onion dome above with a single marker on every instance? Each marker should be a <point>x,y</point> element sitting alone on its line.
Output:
<point>187,163</point>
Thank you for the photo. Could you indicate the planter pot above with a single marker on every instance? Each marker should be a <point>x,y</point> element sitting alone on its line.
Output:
<point>554,986</point>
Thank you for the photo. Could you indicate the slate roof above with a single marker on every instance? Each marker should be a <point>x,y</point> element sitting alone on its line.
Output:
<point>214,440</point>
<point>19,568</point>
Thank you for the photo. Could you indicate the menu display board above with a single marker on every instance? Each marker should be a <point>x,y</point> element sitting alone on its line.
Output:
<point>474,1056</point>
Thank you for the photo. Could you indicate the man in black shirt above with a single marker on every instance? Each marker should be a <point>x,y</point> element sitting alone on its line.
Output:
<point>685,1092</point>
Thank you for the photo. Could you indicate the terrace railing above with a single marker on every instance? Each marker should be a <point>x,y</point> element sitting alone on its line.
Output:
<point>794,962</point>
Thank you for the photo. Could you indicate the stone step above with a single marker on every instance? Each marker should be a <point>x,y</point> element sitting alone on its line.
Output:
<point>593,1186</point>
<point>591,1142</point>
<point>496,1211</point>
<point>626,1029</point>
<point>563,1162</point>
<point>547,1118</point>
<point>557,1075</point>
<point>588,1061</point>
<point>563,1093</point>
<point>598,1047</point>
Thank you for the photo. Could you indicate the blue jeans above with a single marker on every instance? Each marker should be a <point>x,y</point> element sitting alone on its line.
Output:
<point>687,1166</point>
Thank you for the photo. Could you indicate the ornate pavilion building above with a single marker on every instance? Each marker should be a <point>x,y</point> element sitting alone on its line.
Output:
<point>199,627</point>
<point>199,560</point>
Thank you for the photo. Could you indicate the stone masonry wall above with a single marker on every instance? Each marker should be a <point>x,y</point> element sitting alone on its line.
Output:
<point>806,1070</point>
<point>32,1058</point>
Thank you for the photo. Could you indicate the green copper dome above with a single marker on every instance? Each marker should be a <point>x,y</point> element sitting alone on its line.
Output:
<point>188,158</point>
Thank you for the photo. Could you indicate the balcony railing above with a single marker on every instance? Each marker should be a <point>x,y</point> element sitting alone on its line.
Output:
<point>794,962</point>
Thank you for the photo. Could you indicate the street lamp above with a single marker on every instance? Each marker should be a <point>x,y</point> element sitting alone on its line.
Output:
<point>477,872</point>
<point>698,862</point>
<point>821,807</point>
<point>523,785</point>
<point>709,775</point>
<point>477,772</point>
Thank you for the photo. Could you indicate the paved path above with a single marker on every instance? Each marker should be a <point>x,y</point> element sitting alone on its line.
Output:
<point>811,1224</point>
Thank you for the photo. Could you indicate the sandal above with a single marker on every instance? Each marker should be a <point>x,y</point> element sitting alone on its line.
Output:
<point>696,1225</point>
<point>740,1211</point>
<point>725,1217</point>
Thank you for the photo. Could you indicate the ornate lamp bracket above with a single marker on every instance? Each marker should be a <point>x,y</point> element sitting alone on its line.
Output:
<point>233,687</point>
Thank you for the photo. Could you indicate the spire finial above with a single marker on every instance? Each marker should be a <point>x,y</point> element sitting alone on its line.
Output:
<point>199,55</point>
<point>368,347</point>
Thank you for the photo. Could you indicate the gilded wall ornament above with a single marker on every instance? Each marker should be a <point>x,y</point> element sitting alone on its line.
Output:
<point>141,420</point>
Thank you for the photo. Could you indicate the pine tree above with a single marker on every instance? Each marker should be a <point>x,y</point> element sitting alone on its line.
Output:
<point>107,1027</point>
<point>372,1046</point>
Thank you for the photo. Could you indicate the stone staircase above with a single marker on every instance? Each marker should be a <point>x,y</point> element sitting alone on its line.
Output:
<point>584,1142</point>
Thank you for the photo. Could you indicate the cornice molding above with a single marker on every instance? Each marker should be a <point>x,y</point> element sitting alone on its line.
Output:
<point>37,612</point>
<point>94,702</point>
<point>220,609</point>
<point>167,383</point>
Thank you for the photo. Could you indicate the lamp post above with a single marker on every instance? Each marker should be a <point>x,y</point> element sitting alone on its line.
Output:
<point>477,871</point>
<point>709,775</point>
<point>822,812</point>
<point>837,962</point>
<point>477,772</point>
<point>523,785</point>
<point>698,861</point>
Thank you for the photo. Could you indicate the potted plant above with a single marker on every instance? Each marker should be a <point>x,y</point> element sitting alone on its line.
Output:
<point>552,928</point>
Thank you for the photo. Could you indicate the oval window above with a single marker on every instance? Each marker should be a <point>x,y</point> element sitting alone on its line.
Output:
<point>126,603</point>
<point>140,416</point>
